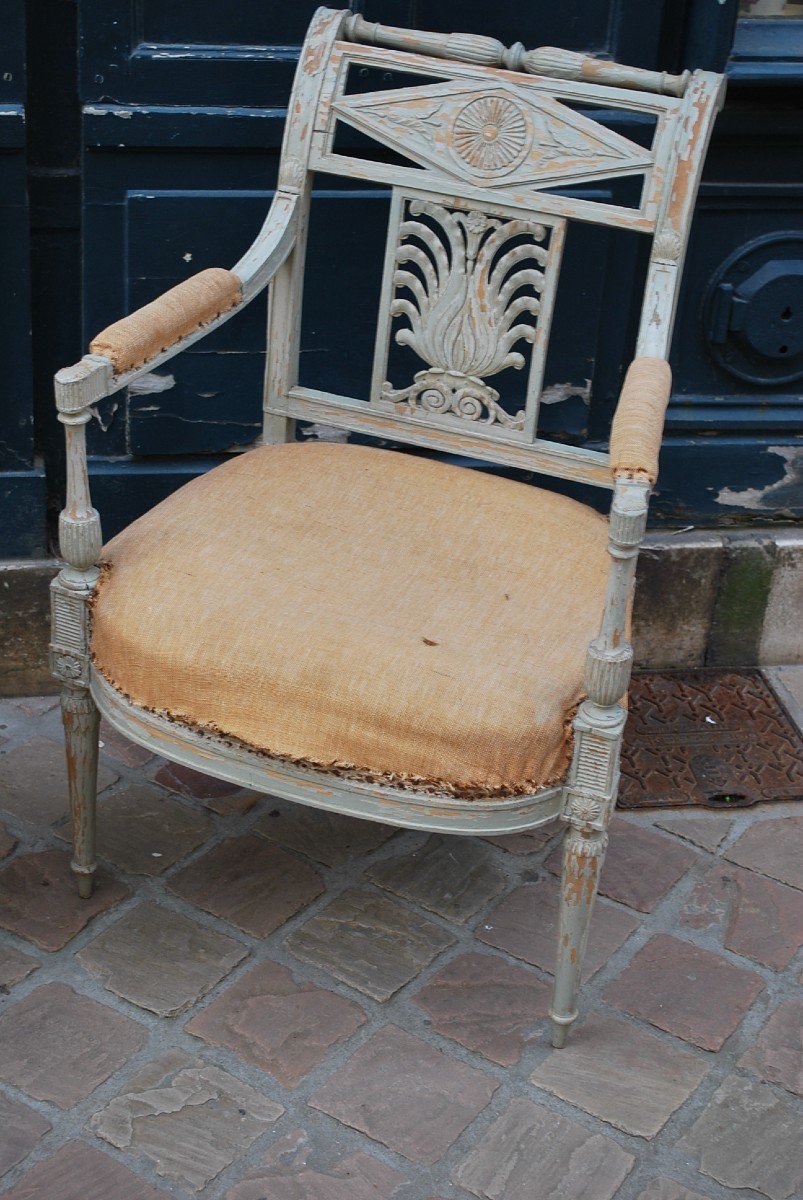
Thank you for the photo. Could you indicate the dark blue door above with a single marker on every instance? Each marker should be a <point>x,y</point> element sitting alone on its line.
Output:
<point>182,114</point>
<point>22,483</point>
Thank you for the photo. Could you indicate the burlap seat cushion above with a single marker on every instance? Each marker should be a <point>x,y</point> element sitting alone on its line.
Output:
<point>334,604</point>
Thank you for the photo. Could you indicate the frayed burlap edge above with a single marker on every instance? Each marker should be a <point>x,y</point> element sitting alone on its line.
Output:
<point>351,771</point>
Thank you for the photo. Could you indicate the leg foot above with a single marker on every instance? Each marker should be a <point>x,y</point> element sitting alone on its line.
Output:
<point>85,885</point>
<point>583,853</point>
<point>560,1029</point>
<point>81,720</point>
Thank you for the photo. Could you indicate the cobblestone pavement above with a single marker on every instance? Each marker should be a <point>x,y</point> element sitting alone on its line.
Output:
<point>264,1003</point>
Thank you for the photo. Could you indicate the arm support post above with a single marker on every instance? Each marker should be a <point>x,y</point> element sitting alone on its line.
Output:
<point>80,538</point>
<point>593,779</point>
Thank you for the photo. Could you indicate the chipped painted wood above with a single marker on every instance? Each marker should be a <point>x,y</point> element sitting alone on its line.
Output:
<point>472,259</point>
<point>485,51</point>
<point>548,458</point>
<point>80,542</point>
<point>370,802</point>
<point>593,779</point>
<point>81,722</point>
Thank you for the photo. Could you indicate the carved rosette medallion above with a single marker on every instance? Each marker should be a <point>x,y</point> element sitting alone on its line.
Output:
<point>491,135</point>
<point>462,281</point>
<point>584,809</point>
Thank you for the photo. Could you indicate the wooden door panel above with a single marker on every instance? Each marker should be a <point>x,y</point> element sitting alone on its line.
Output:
<point>22,485</point>
<point>183,109</point>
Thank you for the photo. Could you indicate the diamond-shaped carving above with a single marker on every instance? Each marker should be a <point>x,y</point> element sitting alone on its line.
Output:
<point>494,136</point>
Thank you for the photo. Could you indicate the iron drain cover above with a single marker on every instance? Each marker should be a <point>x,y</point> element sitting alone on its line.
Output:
<point>714,738</point>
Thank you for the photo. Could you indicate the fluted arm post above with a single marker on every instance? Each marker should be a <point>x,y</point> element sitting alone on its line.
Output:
<point>593,778</point>
<point>77,389</point>
<point>79,523</point>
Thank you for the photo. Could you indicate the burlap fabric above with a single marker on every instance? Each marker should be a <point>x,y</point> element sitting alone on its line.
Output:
<point>360,608</point>
<point>638,425</point>
<point>176,313</point>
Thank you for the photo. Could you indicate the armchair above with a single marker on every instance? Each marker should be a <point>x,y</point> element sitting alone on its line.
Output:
<point>374,632</point>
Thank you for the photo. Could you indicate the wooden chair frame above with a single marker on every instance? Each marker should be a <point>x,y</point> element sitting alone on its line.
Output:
<point>684,108</point>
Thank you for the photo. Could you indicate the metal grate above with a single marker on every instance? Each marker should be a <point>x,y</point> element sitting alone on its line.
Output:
<point>702,737</point>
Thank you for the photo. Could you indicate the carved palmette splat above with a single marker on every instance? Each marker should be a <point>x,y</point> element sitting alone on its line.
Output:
<point>462,282</point>
<point>492,135</point>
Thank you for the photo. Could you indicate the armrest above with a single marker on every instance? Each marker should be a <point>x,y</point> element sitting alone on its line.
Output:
<point>160,330</point>
<point>137,344</point>
<point>638,423</point>
<point>157,326</point>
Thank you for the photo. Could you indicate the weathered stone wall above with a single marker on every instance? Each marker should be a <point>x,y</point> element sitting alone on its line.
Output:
<point>728,598</point>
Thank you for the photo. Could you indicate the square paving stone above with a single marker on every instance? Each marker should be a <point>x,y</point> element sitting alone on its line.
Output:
<point>218,794</point>
<point>161,960</point>
<point>758,917</point>
<point>284,1027</point>
<point>57,1045</point>
<point>329,838</point>
<point>485,1004</point>
<point>706,832</point>
<point>529,842</point>
<point>525,925</point>
<point>640,866</point>
<point>250,883</point>
<point>79,1172</point>
<point>668,1189</point>
<point>777,1052</point>
<point>7,842</point>
<point>370,943</point>
<point>191,1120</point>
<point>747,1138</point>
<point>530,1152</point>
<point>286,1173</point>
<point>33,781</point>
<point>145,833</point>
<point>454,877</point>
<point>692,993</point>
<point>406,1094</point>
<point>620,1073</point>
<point>39,900</point>
<point>115,745</point>
<point>20,1130</point>
<point>14,967</point>
<point>774,848</point>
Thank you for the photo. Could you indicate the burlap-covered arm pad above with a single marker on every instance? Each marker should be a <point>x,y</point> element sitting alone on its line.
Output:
<point>638,424</point>
<point>174,315</point>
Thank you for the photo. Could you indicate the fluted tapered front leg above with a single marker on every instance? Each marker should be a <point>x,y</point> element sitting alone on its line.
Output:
<point>591,792</point>
<point>583,854</point>
<point>81,720</point>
